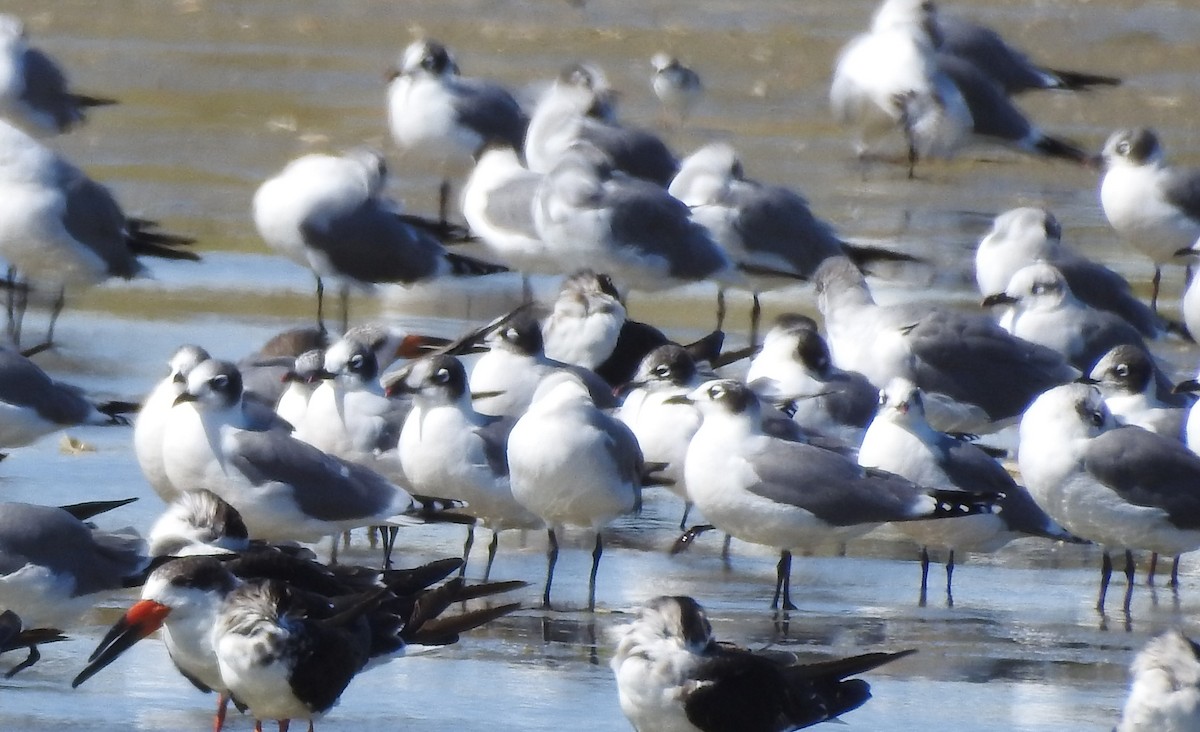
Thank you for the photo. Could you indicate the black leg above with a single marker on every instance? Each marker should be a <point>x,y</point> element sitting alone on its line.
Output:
<point>720,308</point>
<point>725,550</point>
<point>1152,568</point>
<point>462,571</point>
<point>755,316</point>
<point>1175,572</point>
<point>345,298</point>
<point>333,549</point>
<point>487,572</point>
<point>687,508</point>
<point>924,576</point>
<point>950,579</point>
<point>783,582</point>
<point>443,201</point>
<point>1154,289</point>
<point>596,554</point>
<point>59,303</point>
<point>1105,576</point>
<point>34,656</point>
<point>551,560</point>
<point>388,534</point>
<point>320,303</point>
<point>1129,571</point>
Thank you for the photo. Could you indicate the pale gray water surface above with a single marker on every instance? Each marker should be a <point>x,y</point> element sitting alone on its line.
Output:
<point>216,96</point>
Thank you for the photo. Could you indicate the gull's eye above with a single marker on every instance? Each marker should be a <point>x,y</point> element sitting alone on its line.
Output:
<point>219,382</point>
<point>716,391</point>
<point>1040,289</point>
<point>662,370</point>
<point>882,399</point>
<point>356,362</point>
<point>441,376</point>
<point>1121,370</point>
<point>1123,147</point>
<point>1098,418</point>
<point>510,334</point>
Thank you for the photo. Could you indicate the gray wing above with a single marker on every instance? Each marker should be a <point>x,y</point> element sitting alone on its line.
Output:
<point>1104,289</point>
<point>971,359</point>
<point>511,206</point>
<point>622,446</point>
<point>1102,331</point>
<point>832,487</point>
<point>325,487</point>
<point>53,538</point>
<point>371,244</point>
<point>490,110</point>
<point>853,401</point>
<point>24,384</point>
<point>994,115</point>
<point>494,435</point>
<point>95,219</point>
<point>1182,188</point>
<point>970,468</point>
<point>1146,469</point>
<point>46,90</point>
<point>649,220</point>
<point>633,151</point>
<point>775,220</point>
<point>1005,65</point>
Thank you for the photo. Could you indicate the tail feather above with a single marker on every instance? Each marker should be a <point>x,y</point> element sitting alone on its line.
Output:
<point>88,509</point>
<point>842,668</point>
<point>86,100</point>
<point>412,581</point>
<point>463,266</point>
<point>444,631</point>
<point>446,232</point>
<point>1055,147</point>
<point>862,256</point>
<point>1082,81</point>
<point>117,408</point>
<point>143,241</point>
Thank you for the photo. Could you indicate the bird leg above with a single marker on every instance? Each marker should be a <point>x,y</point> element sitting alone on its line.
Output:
<point>596,554</point>
<point>34,656</point>
<point>55,311</point>
<point>755,316</point>
<point>1105,576</point>
<point>687,508</point>
<point>1152,569</point>
<point>924,576</point>
<point>783,581</point>
<point>487,572</point>
<point>725,551</point>
<point>1174,573</point>
<point>443,201</point>
<point>462,571</point>
<point>950,579</point>
<point>222,709</point>
<point>320,304</point>
<point>1129,570</point>
<point>551,560</point>
<point>720,308</point>
<point>345,298</point>
<point>1154,288</point>
<point>389,534</point>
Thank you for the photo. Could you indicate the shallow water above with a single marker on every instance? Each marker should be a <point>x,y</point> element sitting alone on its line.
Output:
<point>216,96</point>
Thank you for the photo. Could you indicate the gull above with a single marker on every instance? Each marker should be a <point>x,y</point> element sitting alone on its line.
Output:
<point>901,441</point>
<point>327,213</point>
<point>896,75</point>
<point>663,427</point>
<point>33,405</point>
<point>578,107</point>
<point>497,203</point>
<point>1150,204</point>
<point>504,378</point>
<point>1043,310</point>
<point>152,417</point>
<point>888,79</point>
<point>348,414</point>
<point>52,563</point>
<point>770,228</point>
<point>434,110</point>
<point>678,87</point>
<point>672,674</point>
<point>33,89</point>
<point>572,464</point>
<point>300,382</point>
<point>795,367</point>
<point>448,449</point>
<point>975,375</point>
<point>59,228</point>
<point>1128,378</point>
<point>1022,236</point>
<point>285,489</point>
<point>596,216</point>
<point>1122,487</point>
<point>790,495</point>
<point>1009,67</point>
<point>1165,693</point>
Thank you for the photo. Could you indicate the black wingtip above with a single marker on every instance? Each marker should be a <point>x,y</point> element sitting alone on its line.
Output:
<point>1055,147</point>
<point>1082,81</point>
<point>88,509</point>
<point>462,266</point>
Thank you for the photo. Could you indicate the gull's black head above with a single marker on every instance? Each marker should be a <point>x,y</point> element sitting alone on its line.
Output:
<point>668,364</point>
